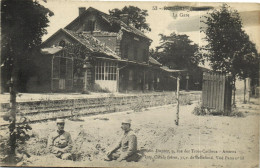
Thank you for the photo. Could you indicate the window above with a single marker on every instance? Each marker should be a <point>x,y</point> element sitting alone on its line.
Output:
<point>105,70</point>
<point>62,43</point>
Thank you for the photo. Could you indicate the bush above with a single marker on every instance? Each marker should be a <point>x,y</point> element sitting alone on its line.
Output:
<point>236,113</point>
<point>216,112</point>
<point>96,88</point>
<point>22,136</point>
<point>199,110</point>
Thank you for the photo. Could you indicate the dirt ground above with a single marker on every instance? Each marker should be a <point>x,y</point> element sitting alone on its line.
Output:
<point>198,141</point>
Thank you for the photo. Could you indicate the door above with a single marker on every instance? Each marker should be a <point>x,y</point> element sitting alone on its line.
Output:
<point>62,74</point>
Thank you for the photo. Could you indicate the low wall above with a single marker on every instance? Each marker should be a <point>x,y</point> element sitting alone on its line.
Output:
<point>52,109</point>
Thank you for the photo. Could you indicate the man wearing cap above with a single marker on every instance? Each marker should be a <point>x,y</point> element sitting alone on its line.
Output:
<point>128,145</point>
<point>60,143</point>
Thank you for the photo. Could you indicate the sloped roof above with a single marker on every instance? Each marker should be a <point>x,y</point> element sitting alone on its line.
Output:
<point>154,61</point>
<point>111,19</point>
<point>92,43</point>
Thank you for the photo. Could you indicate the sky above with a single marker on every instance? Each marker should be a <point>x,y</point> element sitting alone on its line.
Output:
<point>161,21</point>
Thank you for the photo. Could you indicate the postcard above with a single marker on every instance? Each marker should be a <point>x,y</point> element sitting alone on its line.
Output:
<point>129,84</point>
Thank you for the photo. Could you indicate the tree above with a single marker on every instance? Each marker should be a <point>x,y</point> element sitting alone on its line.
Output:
<point>136,16</point>
<point>23,25</point>
<point>23,22</point>
<point>230,50</point>
<point>177,51</point>
<point>247,65</point>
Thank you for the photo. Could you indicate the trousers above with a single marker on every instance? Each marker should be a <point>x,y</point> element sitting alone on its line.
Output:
<point>132,158</point>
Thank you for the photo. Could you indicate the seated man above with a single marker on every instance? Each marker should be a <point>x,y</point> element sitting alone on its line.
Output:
<point>60,143</point>
<point>128,145</point>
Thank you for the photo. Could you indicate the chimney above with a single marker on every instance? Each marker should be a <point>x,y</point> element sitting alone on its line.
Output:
<point>124,18</point>
<point>81,10</point>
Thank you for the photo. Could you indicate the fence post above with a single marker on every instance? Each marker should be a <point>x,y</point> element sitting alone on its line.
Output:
<point>248,89</point>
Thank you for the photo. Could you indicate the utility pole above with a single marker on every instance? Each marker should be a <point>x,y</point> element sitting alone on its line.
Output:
<point>117,79</point>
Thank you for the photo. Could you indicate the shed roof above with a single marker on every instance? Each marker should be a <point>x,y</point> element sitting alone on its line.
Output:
<point>164,68</point>
<point>204,69</point>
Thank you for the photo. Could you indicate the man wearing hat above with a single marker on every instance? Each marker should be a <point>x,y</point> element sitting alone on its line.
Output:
<point>128,145</point>
<point>60,143</point>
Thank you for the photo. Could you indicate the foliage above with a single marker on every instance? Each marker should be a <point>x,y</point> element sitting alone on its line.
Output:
<point>199,110</point>
<point>22,136</point>
<point>97,88</point>
<point>21,131</point>
<point>185,100</point>
<point>177,51</point>
<point>79,52</point>
<point>236,113</point>
<point>23,22</point>
<point>229,47</point>
<point>136,16</point>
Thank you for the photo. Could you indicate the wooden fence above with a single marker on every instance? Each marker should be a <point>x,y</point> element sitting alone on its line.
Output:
<point>217,92</point>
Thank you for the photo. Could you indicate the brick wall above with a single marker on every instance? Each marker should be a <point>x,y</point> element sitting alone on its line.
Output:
<point>132,48</point>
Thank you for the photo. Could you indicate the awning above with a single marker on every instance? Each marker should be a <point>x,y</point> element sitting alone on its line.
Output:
<point>164,68</point>
<point>51,50</point>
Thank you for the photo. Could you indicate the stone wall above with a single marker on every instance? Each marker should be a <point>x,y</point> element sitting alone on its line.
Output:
<point>52,109</point>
